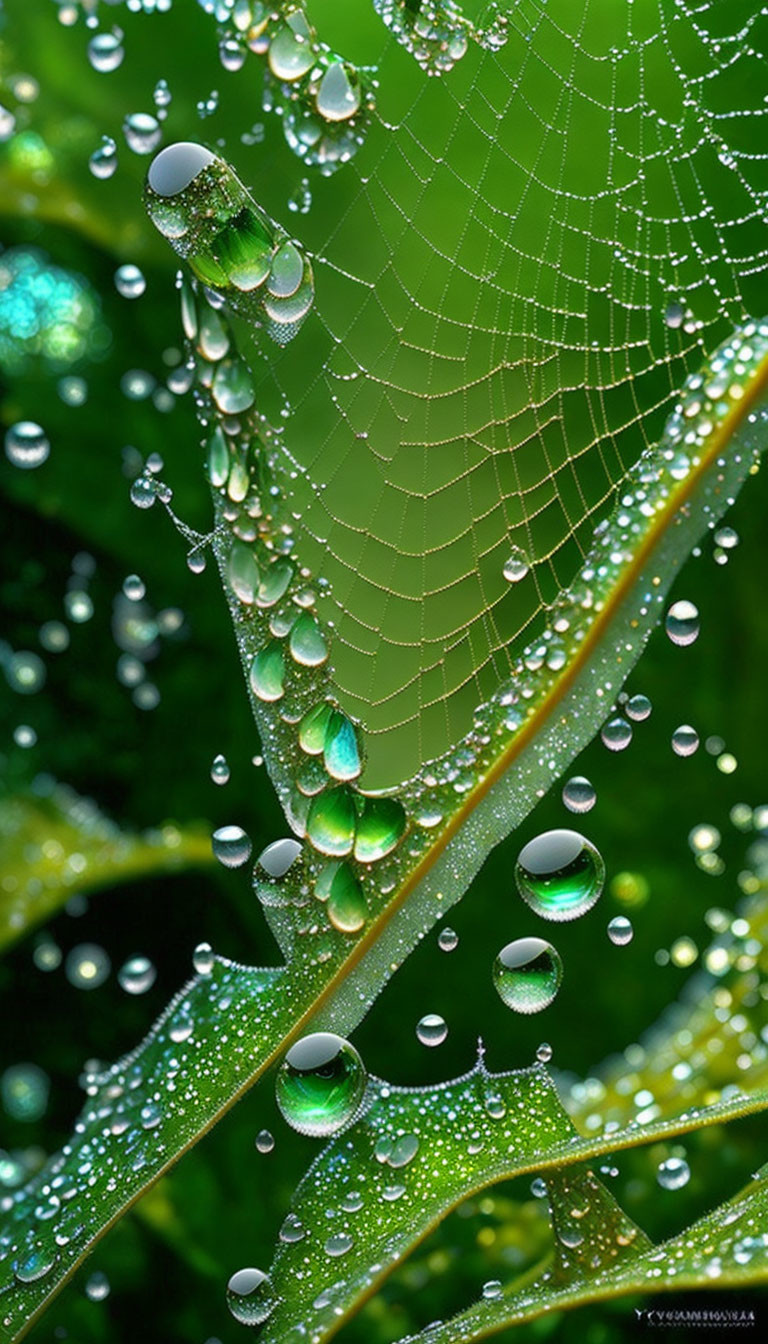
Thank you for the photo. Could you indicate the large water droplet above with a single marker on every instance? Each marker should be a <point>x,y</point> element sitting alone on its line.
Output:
<point>617,734</point>
<point>278,857</point>
<point>331,822</point>
<point>341,756</point>
<point>527,974</point>
<point>176,166</point>
<point>249,1296</point>
<point>231,846</point>
<point>560,875</point>
<point>347,908</point>
<point>682,622</point>
<point>685,740</point>
<point>339,94</point>
<point>106,51</point>
<point>267,672</point>
<point>320,1084</point>
<point>379,828</point>
<point>26,445</point>
<point>291,53</point>
<point>431,1029</point>
<point>673,1173</point>
<point>307,641</point>
<point>578,794</point>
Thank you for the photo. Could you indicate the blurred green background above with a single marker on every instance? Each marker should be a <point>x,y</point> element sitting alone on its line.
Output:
<point>168,1261</point>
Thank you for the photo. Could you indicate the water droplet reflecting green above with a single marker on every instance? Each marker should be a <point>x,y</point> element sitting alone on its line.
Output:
<point>243,572</point>
<point>379,828</point>
<point>267,672</point>
<point>331,822</point>
<point>338,94</point>
<point>341,756</point>
<point>682,622</point>
<point>320,1084</point>
<point>431,1029</point>
<point>527,974</point>
<point>673,1173</point>
<point>620,930</point>
<point>307,641</point>
<point>560,875</point>
<point>312,729</point>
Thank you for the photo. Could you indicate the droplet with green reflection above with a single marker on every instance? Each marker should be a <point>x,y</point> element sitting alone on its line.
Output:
<point>341,755</point>
<point>320,1084</point>
<point>331,822</point>
<point>527,974</point>
<point>249,1296</point>
<point>560,875</point>
<point>379,828</point>
<point>347,908</point>
<point>312,729</point>
<point>267,672</point>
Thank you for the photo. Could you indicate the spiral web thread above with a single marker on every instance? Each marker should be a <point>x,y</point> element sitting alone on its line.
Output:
<point>523,262</point>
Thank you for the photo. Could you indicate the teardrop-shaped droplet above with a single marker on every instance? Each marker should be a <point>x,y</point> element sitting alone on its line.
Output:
<point>249,1296</point>
<point>220,770</point>
<point>213,338</point>
<point>243,249</point>
<point>217,458</point>
<point>267,672</point>
<point>527,974</point>
<point>286,272</point>
<point>307,642</point>
<point>320,1084</point>
<point>233,387</point>
<point>379,828</point>
<point>560,875</point>
<point>291,51</point>
<point>682,622</point>
<point>331,822</point>
<point>341,756</point>
<point>243,572</point>
<point>313,728</point>
<point>516,566</point>
<point>338,95</point>
<point>274,583</point>
<point>347,908</point>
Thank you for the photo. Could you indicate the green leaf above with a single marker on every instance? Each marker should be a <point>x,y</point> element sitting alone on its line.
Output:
<point>726,1248</point>
<point>378,1189</point>
<point>462,387</point>
<point>54,843</point>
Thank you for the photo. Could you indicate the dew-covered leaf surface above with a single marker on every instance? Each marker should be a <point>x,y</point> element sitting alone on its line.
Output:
<point>54,843</point>
<point>379,1188</point>
<point>422,612</point>
<point>599,1254</point>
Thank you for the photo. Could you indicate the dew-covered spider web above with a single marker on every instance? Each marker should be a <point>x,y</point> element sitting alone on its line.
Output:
<point>513,274</point>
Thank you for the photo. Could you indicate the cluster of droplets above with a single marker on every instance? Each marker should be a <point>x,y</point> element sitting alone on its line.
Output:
<point>196,201</point>
<point>324,102</point>
<point>286,650</point>
<point>437,33</point>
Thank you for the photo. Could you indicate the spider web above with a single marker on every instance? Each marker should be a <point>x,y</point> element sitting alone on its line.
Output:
<point>514,275</point>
